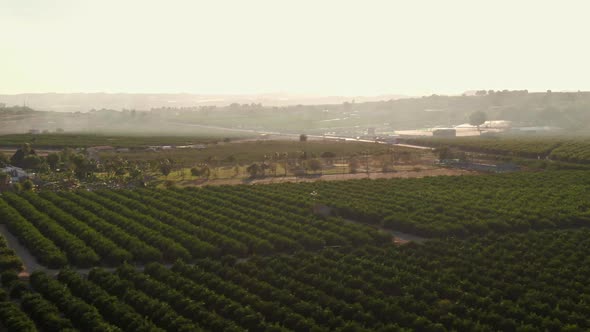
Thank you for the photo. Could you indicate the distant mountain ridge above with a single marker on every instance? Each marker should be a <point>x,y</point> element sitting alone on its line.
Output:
<point>83,102</point>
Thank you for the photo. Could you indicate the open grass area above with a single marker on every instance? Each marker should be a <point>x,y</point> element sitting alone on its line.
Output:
<point>183,178</point>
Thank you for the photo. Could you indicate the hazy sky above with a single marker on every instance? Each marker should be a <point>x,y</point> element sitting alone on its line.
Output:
<point>323,47</point>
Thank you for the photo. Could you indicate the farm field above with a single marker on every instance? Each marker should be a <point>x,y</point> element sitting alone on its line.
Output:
<point>505,251</point>
<point>451,205</point>
<point>398,172</point>
<point>566,149</point>
<point>84,140</point>
<point>227,175</point>
<point>249,151</point>
<point>294,166</point>
<point>109,227</point>
<point>276,160</point>
<point>515,282</point>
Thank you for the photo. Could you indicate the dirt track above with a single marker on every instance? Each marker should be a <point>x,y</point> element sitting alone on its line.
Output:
<point>30,263</point>
<point>337,177</point>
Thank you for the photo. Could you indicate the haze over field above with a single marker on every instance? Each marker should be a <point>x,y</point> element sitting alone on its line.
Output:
<point>294,165</point>
<point>328,67</point>
<point>325,48</point>
<point>84,102</point>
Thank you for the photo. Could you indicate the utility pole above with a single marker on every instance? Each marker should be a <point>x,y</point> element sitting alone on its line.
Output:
<point>367,162</point>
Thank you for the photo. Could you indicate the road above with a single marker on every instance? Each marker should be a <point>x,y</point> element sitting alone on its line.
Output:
<point>296,136</point>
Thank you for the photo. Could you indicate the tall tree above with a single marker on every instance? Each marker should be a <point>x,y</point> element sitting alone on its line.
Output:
<point>254,170</point>
<point>477,119</point>
<point>53,160</point>
<point>20,154</point>
<point>165,167</point>
<point>315,165</point>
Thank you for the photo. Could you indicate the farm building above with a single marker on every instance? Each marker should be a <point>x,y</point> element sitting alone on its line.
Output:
<point>446,132</point>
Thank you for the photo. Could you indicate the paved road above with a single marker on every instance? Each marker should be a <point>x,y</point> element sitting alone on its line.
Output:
<point>296,136</point>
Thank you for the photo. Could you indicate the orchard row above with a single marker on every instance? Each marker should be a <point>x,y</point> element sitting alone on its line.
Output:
<point>535,281</point>
<point>448,206</point>
<point>574,150</point>
<point>107,227</point>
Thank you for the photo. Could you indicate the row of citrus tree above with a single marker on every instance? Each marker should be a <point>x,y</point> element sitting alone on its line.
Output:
<point>12,318</point>
<point>527,147</point>
<point>567,149</point>
<point>450,206</point>
<point>538,280</point>
<point>109,227</point>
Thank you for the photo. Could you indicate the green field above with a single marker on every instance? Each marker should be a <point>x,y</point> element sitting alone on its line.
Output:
<point>75,140</point>
<point>485,284</point>
<point>506,252</point>
<point>557,148</point>
<point>145,225</point>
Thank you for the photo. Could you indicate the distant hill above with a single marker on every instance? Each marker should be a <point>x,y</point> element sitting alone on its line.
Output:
<point>83,102</point>
<point>189,114</point>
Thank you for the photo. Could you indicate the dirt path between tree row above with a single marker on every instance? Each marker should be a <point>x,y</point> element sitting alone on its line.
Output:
<point>397,237</point>
<point>30,263</point>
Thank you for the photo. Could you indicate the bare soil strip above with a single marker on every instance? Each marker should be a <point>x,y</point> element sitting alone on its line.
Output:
<point>334,177</point>
<point>30,263</point>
